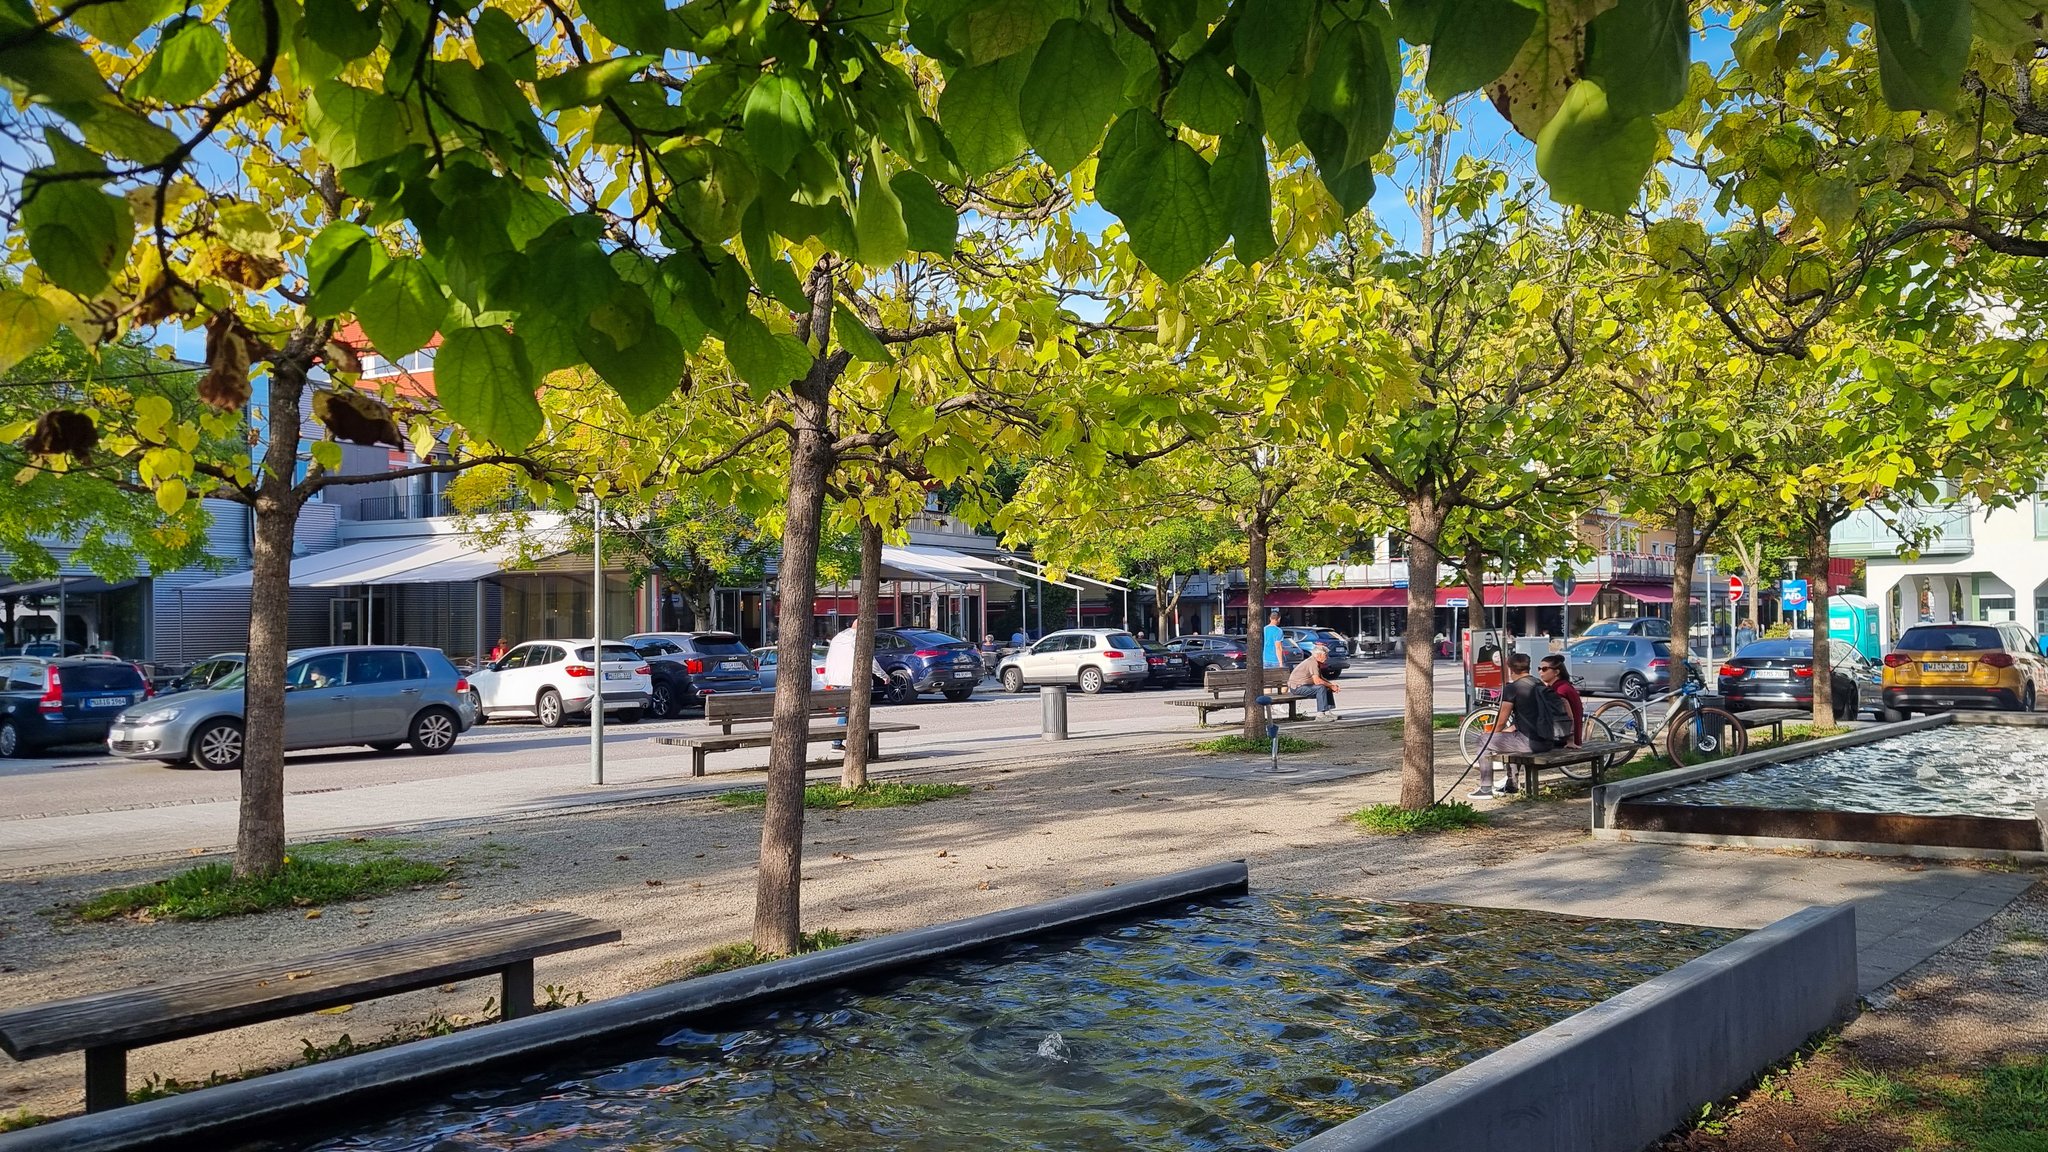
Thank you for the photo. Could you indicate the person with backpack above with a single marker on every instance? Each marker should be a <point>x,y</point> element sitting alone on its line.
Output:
<point>1530,714</point>
<point>1556,677</point>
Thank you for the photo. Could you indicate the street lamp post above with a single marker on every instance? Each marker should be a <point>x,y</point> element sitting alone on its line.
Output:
<point>597,640</point>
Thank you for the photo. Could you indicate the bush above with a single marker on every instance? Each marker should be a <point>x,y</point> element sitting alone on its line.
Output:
<point>1778,631</point>
<point>886,794</point>
<point>211,891</point>
<point>1237,743</point>
<point>1394,820</point>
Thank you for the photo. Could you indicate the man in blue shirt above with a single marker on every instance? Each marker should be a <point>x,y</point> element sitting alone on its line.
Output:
<point>1274,643</point>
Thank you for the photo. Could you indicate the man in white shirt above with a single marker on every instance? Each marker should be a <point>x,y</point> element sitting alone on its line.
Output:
<point>839,671</point>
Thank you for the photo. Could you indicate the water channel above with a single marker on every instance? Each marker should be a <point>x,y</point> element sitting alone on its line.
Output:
<point>1250,1024</point>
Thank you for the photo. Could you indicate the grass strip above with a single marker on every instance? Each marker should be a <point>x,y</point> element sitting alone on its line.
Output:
<point>883,794</point>
<point>212,891</point>
<point>1237,743</point>
<point>1394,820</point>
<point>727,957</point>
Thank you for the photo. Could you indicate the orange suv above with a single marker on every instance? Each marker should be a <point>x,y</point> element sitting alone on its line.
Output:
<point>1935,667</point>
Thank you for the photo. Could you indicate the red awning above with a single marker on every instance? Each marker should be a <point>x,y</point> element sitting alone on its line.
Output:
<point>846,605</point>
<point>1518,596</point>
<point>1336,598</point>
<point>1647,593</point>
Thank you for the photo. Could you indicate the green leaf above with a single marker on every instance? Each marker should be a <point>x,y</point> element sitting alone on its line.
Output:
<point>1159,188</point>
<point>777,120</point>
<point>190,59</point>
<point>1003,28</point>
<point>339,262</point>
<point>2009,24</point>
<point>1472,42</point>
<point>1533,88</point>
<point>642,25</point>
<point>713,187</point>
<point>979,109</point>
<point>766,360</point>
<point>54,70</point>
<point>26,324</point>
<point>352,127</point>
<point>1922,48</point>
<point>777,277</point>
<point>486,383</point>
<point>1273,36</point>
<point>878,219</point>
<point>856,337</point>
<point>932,224</point>
<point>1640,52</point>
<point>643,371</point>
<point>247,28</point>
<point>500,40</point>
<point>1242,189</point>
<point>120,22</point>
<point>1073,90</point>
<point>112,126</point>
<point>1415,20</point>
<point>587,84</point>
<point>402,308</point>
<point>1592,157</point>
<point>344,30</point>
<point>77,234</point>
<point>1350,109</point>
<point>1206,98</point>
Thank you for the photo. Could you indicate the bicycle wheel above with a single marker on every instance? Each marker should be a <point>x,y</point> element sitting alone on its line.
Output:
<point>1703,735</point>
<point>1476,732</point>
<point>1597,732</point>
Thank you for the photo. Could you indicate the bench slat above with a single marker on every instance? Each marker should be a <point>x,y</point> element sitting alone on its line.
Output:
<point>171,1011</point>
<point>716,742</point>
<point>761,705</point>
<point>1596,751</point>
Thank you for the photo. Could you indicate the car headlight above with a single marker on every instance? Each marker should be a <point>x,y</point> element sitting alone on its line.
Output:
<point>157,716</point>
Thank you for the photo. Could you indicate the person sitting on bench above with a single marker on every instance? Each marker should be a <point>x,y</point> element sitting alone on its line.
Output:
<point>1307,680</point>
<point>1529,710</point>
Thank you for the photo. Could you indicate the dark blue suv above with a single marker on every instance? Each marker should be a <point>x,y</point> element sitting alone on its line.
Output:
<point>919,661</point>
<point>46,703</point>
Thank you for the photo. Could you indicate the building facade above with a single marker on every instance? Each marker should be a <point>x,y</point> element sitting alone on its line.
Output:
<point>1952,562</point>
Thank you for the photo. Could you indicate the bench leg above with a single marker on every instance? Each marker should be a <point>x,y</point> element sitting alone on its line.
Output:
<point>106,1078</point>
<point>697,761</point>
<point>516,998</point>
<point>874,746</point>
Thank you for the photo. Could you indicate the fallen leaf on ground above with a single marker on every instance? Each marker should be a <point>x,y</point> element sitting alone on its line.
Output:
<point>336,1010</point>
<point>622,856</point>
<point>653,883</point>
<point>449,896</point>
<point>313,914</point>
<point>942,852</point>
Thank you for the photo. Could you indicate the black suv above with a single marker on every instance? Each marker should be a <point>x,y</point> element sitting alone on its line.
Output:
<point>45,703</point>
<point>685,667</point>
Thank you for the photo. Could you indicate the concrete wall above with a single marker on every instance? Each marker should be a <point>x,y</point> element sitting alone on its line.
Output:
<point>1620,1075</point>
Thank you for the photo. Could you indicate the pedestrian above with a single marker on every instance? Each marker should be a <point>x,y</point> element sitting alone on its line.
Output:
<point>1527,724</point>
<point>498,650</point>
<point>1018,639</point>
<point>1274,641</point>
<point>1555,676</point>
<point>1745,635</point>
<point>1307,680</point>
<point>1443,645</point>
<point>839,671</point>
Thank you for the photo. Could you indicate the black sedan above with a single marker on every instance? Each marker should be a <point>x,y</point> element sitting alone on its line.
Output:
<point>1779,674</point>
<point>1164,668</point>
<point>1204,652</point>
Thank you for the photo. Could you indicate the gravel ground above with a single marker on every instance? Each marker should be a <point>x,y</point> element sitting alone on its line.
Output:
<point>679,879</point>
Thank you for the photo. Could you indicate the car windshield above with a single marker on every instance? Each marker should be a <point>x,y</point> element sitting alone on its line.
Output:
<point>1952,638</point>
<point>923,638</point>
<point>104,675</point>
<point>720,644</point>
<point>1662,648</point>
<point>1121,640</point>
<point>611,652</point>
<point>1777,650</point>
<point>1607,628</point>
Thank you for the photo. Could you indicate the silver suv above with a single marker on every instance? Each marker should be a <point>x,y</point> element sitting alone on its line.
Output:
<point>1088,657</point>
<point>380,696</point>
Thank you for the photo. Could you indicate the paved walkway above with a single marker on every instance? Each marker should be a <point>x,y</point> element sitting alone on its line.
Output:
<point>1905,912</point>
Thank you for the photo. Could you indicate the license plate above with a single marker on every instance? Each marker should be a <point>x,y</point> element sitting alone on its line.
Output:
<point>1772,674</point>
<point>107,702</point>
<point>1945,666</point>
<point>731,666</point>
<point>618,675</point>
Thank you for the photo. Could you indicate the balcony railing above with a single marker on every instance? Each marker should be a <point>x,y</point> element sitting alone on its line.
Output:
<point>421,506</point>
<point>1884,534</point>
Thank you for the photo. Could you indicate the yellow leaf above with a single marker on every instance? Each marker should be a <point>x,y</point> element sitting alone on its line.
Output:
<point>327,454</point>
<point>26,324</point>
<point>151,414</point>
<point>170,496</point>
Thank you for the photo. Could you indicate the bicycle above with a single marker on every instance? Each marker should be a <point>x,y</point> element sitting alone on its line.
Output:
<point>1690,734</point>
<point>1479,725</point>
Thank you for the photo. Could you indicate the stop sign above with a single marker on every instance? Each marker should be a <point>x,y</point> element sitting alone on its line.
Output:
<point>1734,589</point>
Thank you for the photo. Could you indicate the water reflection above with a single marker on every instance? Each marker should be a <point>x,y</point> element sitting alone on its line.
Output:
<point>1954,770</point>
<point>1253,1024</point>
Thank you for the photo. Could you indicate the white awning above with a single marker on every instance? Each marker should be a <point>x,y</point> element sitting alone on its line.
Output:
<point>940,566</point>
<point>429,560</point>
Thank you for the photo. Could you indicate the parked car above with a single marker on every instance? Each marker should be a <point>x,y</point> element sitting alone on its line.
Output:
<point>552,680</point>
<point>1092,658</point>
<point>1209,651</point>
<point>1653,626</point>
<point>685,667</point>
<point>1340,649</point>
<point>49,702</point>
<point>1779,674</point>
<point>766,660</point>
<point>918,660</point>
<point>1936,667</point>
<point>206,673</point>
<point>1632,667</point>
<point>383,696</point>
<point>1165,668</point>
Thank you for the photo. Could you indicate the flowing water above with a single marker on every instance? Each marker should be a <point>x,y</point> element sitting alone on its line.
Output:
<point>1250,1024</point>
<point>1953,770</point>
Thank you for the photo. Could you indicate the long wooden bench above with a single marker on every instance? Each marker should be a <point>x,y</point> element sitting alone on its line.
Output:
<point>1772,718</point>
<point>730,708</point>
<point>1532,763</point>
<point>703,746</point>
<point>1226,692</point>
<point>106,1025</point>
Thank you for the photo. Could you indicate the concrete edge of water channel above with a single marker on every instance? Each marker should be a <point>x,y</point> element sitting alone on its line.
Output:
<point>1623,1073</point>
<point>314,1095</point>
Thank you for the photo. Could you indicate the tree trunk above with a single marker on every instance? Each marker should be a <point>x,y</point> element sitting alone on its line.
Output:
<point>853,770</point>
<point>1418,728</point>
<point>1255,653</point>
<point>1685,553</point>
<point>1751,559</point>
<point>259,835</point>
<point>1817,595</point>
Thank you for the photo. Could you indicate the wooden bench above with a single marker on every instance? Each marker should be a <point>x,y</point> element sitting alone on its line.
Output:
<point>1218,681</point>
<point>1772,718</point>
<point>1532,763</point>
<point>749,707</point>
<point>107,1024</point>
<point>730,708</point>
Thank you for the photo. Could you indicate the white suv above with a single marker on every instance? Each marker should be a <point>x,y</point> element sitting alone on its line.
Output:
<point>551,680</point>
<point>1089,657</point>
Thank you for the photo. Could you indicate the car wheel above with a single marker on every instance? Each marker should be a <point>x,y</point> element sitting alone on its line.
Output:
<point>218,746</point>
<point>901,690</point>
<point>1845,706</point>
<point>665,706</point>
<point>956,695</point>
<point>1091,680</point>
<point>10,740</point>
<point>629,715</point>
<point>1634,687</point>
<point>434,731</point>
<point>387,745</point>
<point>1892,715</point>
<point>476,705</point>
<point>2027,700</point>
<point>1013,680</point>
<point>548,709</point>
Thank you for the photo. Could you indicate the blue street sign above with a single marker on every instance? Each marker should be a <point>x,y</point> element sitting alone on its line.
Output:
<point>1457,602</point>
<point>1792,595</point>
<point>1563,586</point>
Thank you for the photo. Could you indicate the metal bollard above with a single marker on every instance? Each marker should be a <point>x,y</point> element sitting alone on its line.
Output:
<point>1052,713</point>
<point>1272,730</point>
